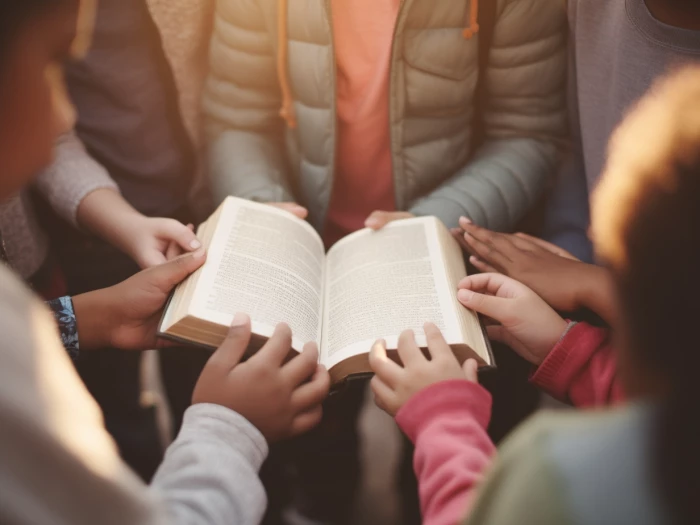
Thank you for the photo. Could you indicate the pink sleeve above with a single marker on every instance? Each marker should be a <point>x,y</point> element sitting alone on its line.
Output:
<point>447,424</point>
<point>581,369</point>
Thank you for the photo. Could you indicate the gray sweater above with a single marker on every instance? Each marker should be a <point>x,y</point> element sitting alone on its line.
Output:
<point>60,466</point>
<point>617,50</point>
<point>72,176</point>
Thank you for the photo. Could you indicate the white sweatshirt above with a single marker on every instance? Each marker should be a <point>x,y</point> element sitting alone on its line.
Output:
<point>59,466</point>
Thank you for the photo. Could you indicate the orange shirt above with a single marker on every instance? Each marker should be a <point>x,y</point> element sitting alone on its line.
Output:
<point>363,31</point>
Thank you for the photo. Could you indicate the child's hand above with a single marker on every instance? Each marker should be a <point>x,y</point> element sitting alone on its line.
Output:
<point>527,324</point>
<point>566,283</point>
<point>378,219</point>
<point>393,385</point>
<point>148,241</point>
<point>126,315</point>
<point>151,241</point>
<point>291,207</point>
<point>281,399</point>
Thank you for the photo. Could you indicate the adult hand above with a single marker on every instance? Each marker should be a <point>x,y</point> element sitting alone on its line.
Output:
<point>378,219</point>
<point>527,324</point>
<point>291,207</point>
<point>126,315</point>
<point>566,283</point>
<point>393,385</point>
<point>281,398</point>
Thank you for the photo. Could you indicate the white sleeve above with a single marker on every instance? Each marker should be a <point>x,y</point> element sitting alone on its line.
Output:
<point>60,466</point>
<point>210,472</point>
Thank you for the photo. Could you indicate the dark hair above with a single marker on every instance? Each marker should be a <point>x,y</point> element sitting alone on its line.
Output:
<point>14,14</point>
<point>646,225</point>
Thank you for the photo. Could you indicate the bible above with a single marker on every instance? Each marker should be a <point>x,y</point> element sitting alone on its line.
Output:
<point>267,263</point>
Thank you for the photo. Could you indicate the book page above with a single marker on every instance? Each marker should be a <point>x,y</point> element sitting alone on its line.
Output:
<point>381,283</point>
<point>268,264</point>
<point>468,320</point>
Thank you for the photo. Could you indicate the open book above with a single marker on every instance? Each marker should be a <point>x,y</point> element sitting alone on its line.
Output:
<point>267,263</point>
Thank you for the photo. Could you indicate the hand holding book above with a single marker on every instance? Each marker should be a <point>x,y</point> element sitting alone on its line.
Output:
<point>281,398</point>
<point>378,219</point>
<point>370,285</point>
<point>394,384</point>
<point>292,207</point>
<point>566,283</point>
<point>525,322</point>
<point>126,315</point>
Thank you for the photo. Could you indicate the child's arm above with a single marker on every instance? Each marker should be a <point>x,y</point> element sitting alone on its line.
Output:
<point>60,465</point>
<point>524,122</point>
<point>81,191</point>
<point>71,177</point>
<point>443,410</point>
<point>575,364</point>
<point>566,283</point>
<point>447,423</point>
<point>247,156</point>
<point>147,240</point>
<point>581,369</point>
<point>267,397</point>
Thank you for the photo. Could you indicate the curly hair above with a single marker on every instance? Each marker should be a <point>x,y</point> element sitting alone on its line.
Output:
<point>646,227</point>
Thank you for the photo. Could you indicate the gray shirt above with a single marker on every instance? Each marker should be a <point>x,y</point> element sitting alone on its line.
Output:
<point>60,466</point>
<point>128,117</point>
<point>618,49</point>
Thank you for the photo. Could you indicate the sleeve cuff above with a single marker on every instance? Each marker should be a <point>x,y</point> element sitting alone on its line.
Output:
<point>444,400</point>
<point>556,373</point>
<point>448,211</point>
<point>63,312</point>
<point>229,429</point>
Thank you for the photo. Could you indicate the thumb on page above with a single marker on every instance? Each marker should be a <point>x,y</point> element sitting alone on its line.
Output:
<point>169,274</point>
<point>229,354</point>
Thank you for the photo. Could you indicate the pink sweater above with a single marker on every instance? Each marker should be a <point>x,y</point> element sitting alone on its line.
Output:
<point>447,422</point>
